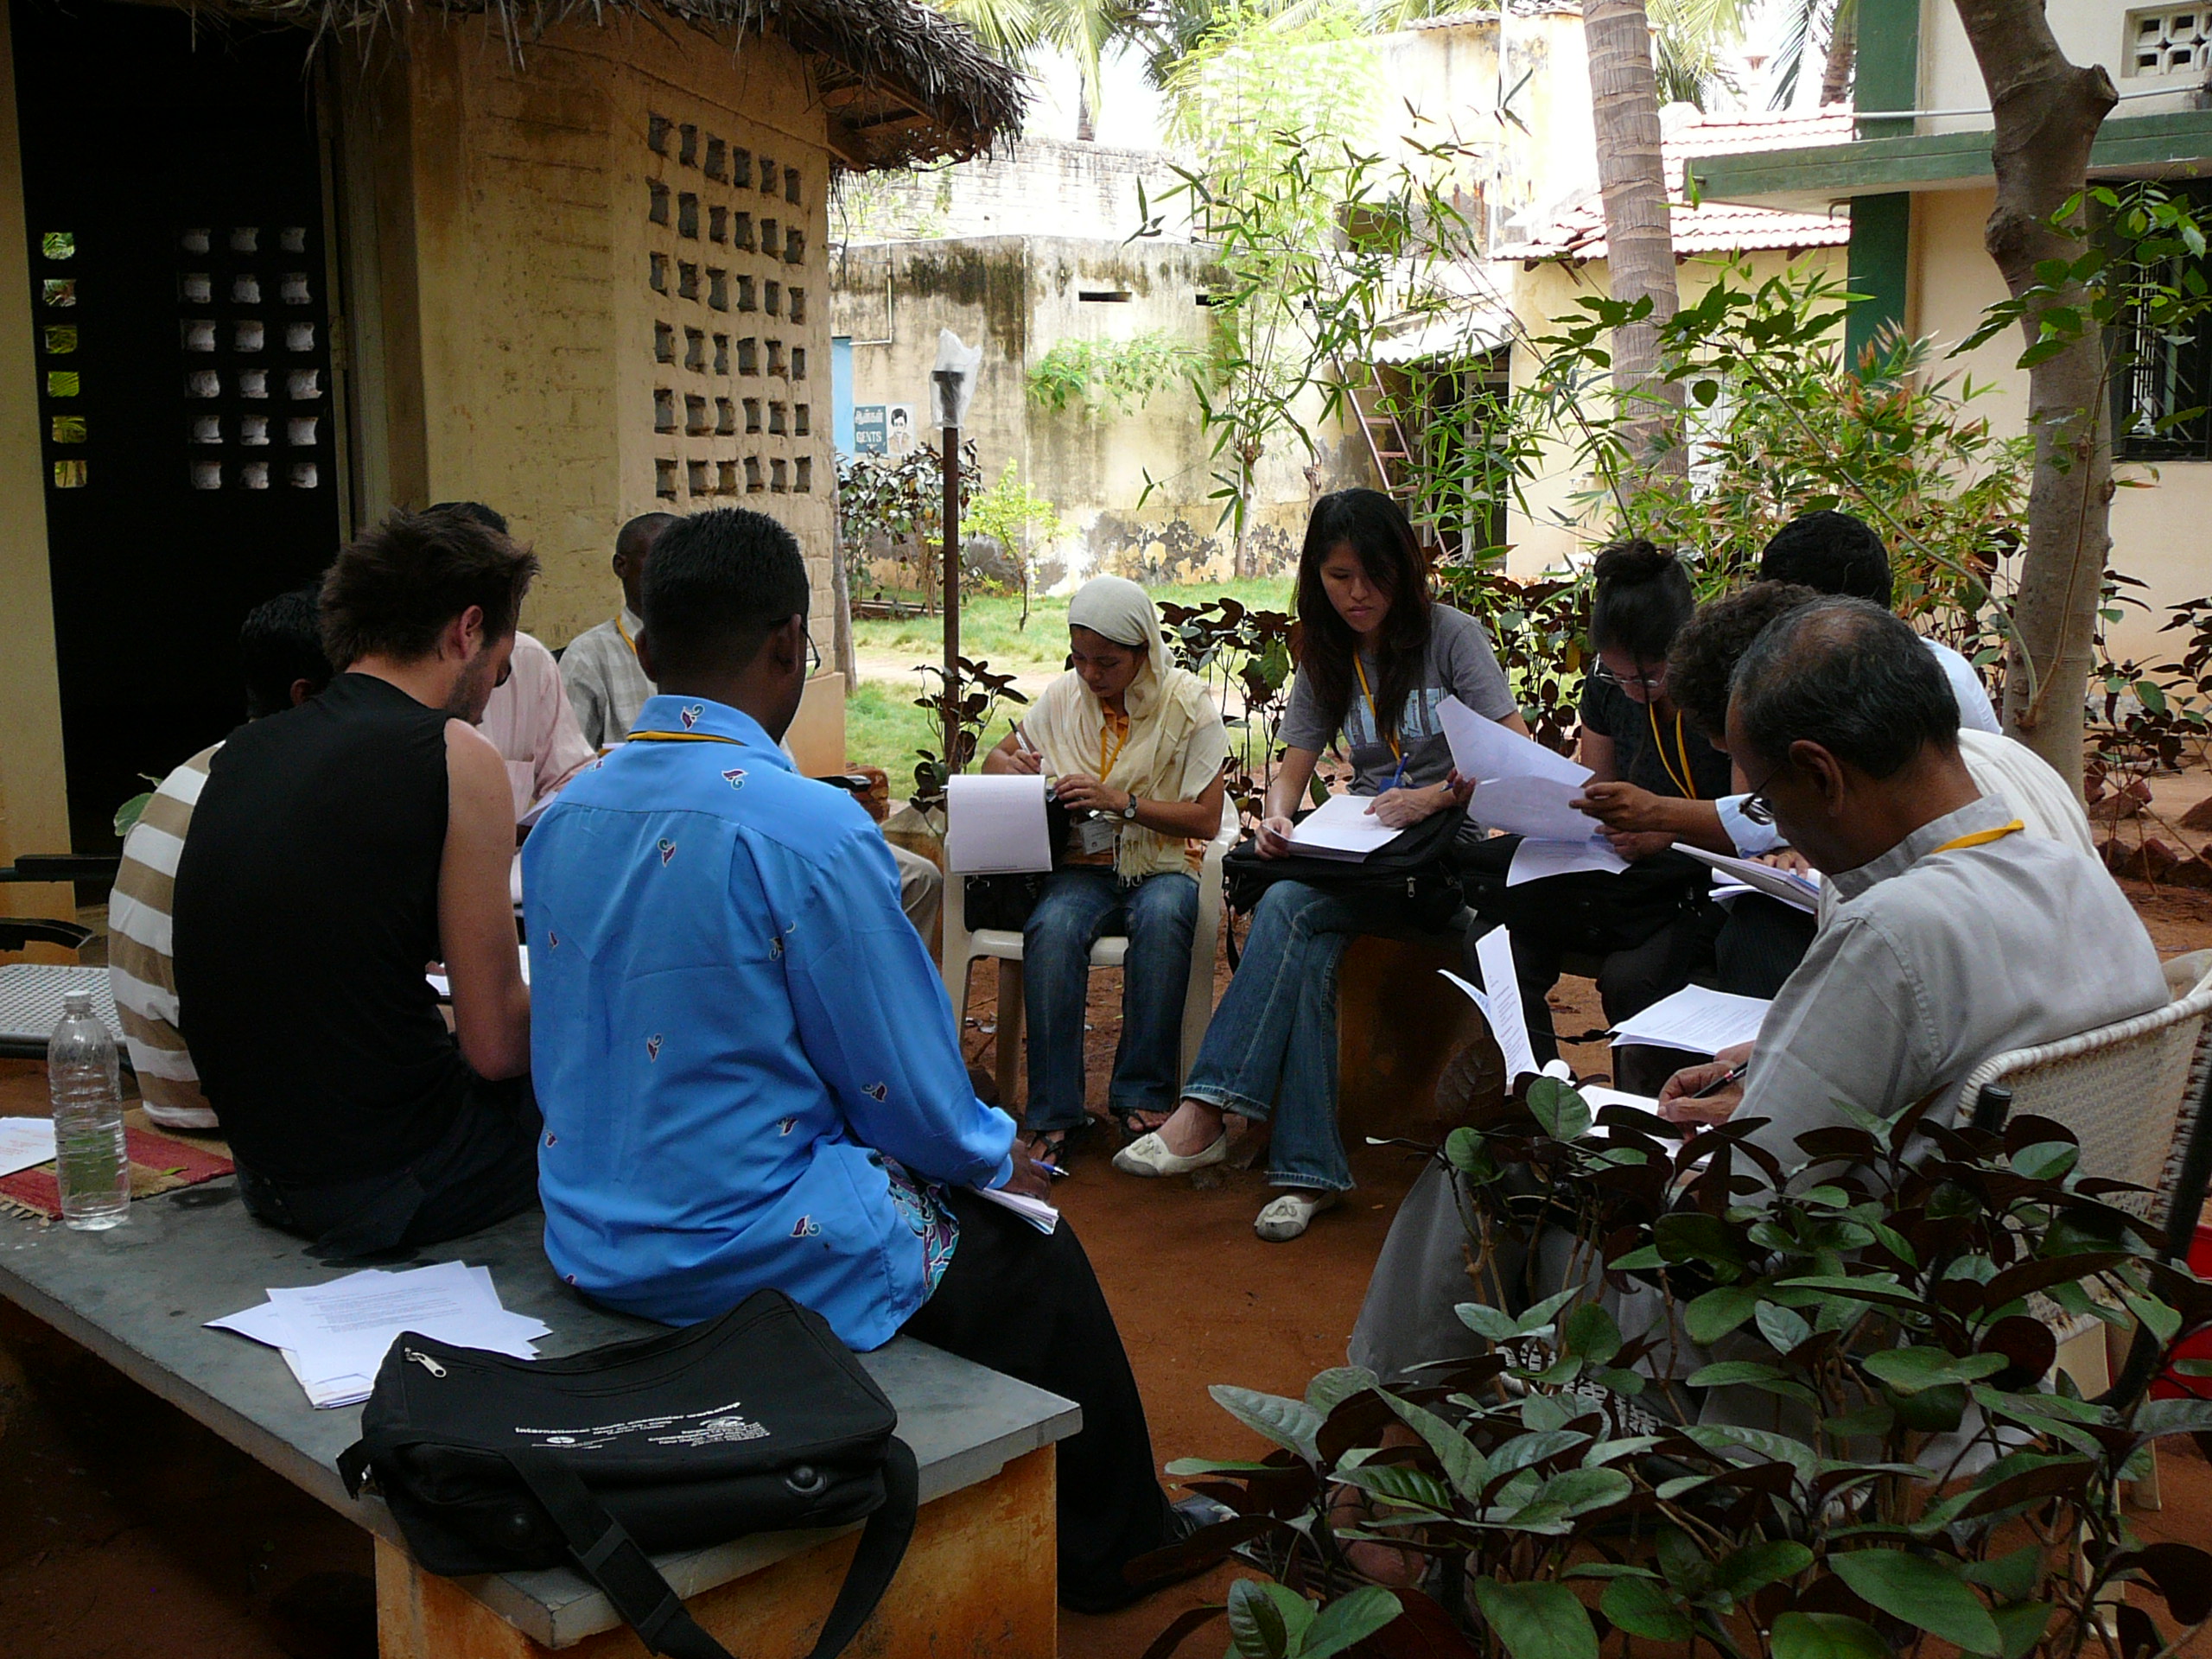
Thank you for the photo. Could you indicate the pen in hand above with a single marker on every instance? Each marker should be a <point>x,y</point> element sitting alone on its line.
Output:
<point>1733,1074</point>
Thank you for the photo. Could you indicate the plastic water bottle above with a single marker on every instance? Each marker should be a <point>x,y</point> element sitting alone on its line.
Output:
<point>85,1082</point>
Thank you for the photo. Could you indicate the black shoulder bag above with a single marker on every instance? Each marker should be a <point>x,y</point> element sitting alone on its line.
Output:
<point>1417,869</point>
<point>760,1421</point>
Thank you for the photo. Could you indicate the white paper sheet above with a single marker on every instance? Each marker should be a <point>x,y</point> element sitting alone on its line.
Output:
<point>25,1142</point>
<point>334,1337</point>
<point>1501,990</point>
<point>1483,749</point>
<point>994,825</point>
<point>1535,860</point>
<point>1532,806</point>
<point>1038,1213</point>
<point>1342,828</point>
<point>1699,1020</point>
<point>1788,885</point>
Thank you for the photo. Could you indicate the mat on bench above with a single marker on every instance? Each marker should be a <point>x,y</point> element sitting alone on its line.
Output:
<point>160,1162</point>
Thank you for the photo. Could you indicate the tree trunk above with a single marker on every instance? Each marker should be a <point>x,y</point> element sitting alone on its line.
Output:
<point>1086,130</point>
<point>2047,112</point>
<point>1843,54</point>
<point>1639,231</point>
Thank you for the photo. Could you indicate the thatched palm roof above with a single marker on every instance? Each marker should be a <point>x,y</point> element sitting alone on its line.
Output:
<point>902,82</point>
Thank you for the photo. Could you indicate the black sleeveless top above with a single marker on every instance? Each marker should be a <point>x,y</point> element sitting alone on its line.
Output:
<point>305,909</point>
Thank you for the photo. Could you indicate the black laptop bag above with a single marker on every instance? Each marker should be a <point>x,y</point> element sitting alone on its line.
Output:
<point>760,1421</point>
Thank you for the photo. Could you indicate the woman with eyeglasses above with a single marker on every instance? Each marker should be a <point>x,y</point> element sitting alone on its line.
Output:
<point>1376,662</point>
<point>1650,923</point>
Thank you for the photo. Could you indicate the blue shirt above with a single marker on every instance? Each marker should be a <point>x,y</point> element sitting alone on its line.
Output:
<point>733,1025</point>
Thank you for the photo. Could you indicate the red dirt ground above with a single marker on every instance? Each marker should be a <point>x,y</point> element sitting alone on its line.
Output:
<point>126,1529</point>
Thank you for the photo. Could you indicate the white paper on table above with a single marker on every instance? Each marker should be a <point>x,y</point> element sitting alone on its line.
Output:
<point>1696,1020</point>
<point>1342,827</point>
<point>1535,860</point>
<point>1788,885</point>
<point>1483,749</point>
<point>1038,1213</point>
<point>994,825</point>
<point>25,1142</point>
<point>1535,807</point>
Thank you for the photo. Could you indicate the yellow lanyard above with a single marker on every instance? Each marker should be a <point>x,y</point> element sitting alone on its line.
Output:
<point>679,737</point>
<point>627,640</point>
<point>1391,738</point>
<point>1681,780</point>
<point>1979,838</point>
<point>1106,757</point>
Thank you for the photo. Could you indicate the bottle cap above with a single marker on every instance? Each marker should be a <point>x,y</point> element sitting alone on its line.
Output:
<point>77,1005</point>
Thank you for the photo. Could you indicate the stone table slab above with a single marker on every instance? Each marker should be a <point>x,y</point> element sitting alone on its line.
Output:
<point>140,1294</point>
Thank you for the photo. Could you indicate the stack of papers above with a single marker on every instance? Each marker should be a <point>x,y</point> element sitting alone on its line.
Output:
<point>1749,875</point>
<point>25,1143</point>
<point>1038,1213</point>
<point>1342,827</point>
<point>994,825</point>
<point>1524,788</point>
<point>334,1336</point>
<point>1695,1019</point>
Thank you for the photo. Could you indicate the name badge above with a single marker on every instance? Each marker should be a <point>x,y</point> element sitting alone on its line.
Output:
<point>1096,835</point>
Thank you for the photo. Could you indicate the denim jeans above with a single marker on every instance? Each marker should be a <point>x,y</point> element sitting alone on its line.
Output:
<point>1157,917</point>
<point>1272,1048</point>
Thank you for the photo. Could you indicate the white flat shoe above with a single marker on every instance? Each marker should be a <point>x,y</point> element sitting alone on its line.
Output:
<point>1148,1155</point>
<point>1288,1217</point>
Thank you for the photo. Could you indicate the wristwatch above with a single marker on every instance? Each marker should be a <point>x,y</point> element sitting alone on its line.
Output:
<point>1130,812</point>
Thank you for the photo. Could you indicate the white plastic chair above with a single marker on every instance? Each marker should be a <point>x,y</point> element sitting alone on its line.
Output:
<point>962,948</point>
<point>2128,1092</point>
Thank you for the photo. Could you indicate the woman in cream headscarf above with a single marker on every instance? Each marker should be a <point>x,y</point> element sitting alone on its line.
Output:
<point>1134,748</point>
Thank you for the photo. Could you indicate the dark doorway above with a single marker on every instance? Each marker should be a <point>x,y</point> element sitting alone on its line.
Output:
<point>174,200</point>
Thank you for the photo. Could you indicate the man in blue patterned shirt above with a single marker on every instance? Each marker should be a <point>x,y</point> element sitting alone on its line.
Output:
<point>747,1065</point>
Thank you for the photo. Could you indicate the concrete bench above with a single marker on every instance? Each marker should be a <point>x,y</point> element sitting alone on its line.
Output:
<point>979,1577</point>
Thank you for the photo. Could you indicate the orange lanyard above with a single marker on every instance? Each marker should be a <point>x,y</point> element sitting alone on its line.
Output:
<point>679,737</point>
<point>1106,757</point>
<point>1681,780</point>
<point>1979,838</point>
<point>1359,668</point>
<point>627,639</point>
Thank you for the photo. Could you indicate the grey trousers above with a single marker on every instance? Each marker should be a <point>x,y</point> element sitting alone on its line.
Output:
<point>921,889</point>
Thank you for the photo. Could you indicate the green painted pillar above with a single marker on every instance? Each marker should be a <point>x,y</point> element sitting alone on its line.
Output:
<point>1881,246</point>
<point>1887,77</point>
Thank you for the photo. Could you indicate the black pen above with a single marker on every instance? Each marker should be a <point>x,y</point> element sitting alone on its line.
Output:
<point>1733,1074</point>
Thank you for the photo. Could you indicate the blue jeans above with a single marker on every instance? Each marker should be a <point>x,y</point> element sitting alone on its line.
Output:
<point>1272,1048</point>
<point>1157,917</point>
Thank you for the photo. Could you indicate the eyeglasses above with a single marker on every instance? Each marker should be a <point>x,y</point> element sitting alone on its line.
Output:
<point>1650,682</point>
<point>813,656</point>
<point>1757,807</point>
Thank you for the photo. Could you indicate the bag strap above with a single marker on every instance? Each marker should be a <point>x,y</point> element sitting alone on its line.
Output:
<point>605,1554</point>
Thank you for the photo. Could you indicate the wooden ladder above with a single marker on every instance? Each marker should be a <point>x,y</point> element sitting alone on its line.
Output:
<point>1388,450</point>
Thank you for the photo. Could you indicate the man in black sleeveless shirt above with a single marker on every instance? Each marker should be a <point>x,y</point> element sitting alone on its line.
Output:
<point>337,849</point>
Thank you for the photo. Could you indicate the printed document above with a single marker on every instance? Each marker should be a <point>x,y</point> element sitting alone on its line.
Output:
<point>1038,1213</point>
<point>994,825</point>
<point>25,1143</point>
<point>1802,891</point>
<point>1699,1020</point>
<point>334,1336</point>
<point>1342,827</point>
<point>1521,786</point>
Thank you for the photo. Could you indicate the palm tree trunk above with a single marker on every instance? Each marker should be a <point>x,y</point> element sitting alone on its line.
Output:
<point>1639,233</point>
<point>1086,130</point>
<point>2047,112</point>
<point>1843,56</point>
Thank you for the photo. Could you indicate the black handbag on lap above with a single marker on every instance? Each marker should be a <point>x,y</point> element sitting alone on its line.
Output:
<point>760,1421</point>
<point>1416,869</point>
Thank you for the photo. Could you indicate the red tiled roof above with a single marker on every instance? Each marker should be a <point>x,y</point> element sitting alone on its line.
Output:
<point>1578,233</point>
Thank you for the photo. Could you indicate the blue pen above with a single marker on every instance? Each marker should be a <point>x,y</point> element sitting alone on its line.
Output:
<point>1397,777</point>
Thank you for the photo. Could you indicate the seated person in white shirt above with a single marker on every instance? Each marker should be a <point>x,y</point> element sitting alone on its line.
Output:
<point>528,719</point>
<point>608,685</point>
<point>1956,935</point>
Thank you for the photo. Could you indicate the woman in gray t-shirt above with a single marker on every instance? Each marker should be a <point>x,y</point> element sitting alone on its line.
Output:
<point>1379,659</point>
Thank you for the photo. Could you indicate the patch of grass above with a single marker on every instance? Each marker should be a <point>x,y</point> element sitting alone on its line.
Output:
<point>882,727</point>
